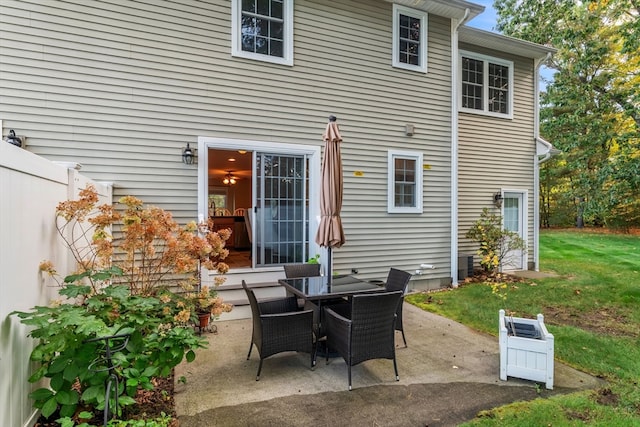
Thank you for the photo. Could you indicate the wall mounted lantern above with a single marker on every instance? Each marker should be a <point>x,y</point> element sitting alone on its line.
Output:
<point>497,199</point>
<point>187,155</point>
<point>13,139</point>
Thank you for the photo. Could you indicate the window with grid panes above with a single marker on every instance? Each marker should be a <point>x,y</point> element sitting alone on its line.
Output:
<point>404,182</point>
<point>409,39</point>
<point>472,80</point>
<point>498,88</point>
<point>263,30</point>
<point>486,84</point>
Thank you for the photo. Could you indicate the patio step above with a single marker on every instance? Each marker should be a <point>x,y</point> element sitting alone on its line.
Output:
<point>238,312</point>
<point>235,294</point>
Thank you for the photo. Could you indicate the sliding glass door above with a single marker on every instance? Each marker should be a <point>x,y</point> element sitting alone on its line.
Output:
<point>281,210</point>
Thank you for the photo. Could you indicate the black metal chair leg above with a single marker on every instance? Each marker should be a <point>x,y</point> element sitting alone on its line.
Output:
<point>395,368</point>
<point>259,369</point>
<point>403,338</point>
<point>250,348</point>
<point>349,374</point>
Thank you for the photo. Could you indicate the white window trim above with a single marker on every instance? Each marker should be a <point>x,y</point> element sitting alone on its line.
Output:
<point>485,84</point>
<point>413,155</point>
<point>236,45</point>
<point>397,10</point>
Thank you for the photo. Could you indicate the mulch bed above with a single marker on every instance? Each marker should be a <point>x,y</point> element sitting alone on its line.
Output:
<point>149,404</point>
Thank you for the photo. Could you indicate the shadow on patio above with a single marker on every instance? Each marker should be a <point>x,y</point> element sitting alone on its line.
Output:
<point>448,373</point>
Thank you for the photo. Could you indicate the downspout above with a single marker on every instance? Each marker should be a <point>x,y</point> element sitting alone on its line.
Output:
<point>455,25</point>
<point>536,163</point>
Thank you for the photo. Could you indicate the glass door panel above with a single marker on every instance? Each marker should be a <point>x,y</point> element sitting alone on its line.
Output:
<point>282,209</point>
<point>513,220</point>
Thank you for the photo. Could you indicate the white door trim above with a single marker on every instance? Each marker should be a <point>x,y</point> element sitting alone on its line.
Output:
<point>312,151</point>
<point>523,196</point>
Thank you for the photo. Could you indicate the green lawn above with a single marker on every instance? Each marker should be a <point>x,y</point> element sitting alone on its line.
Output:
<point>593,309</point>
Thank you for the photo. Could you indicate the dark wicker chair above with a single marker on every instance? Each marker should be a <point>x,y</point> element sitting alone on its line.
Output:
<point>279,326</point>
<point>364,329</point>
<point>398,280</point>
<point>301,270</point>
<point>292,271</point>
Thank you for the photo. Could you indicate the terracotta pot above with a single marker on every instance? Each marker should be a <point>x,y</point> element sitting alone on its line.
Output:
<point>204,319</point>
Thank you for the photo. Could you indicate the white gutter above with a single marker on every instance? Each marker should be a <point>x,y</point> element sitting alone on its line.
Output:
<point>536,162</point>
<point>548,151</point>
<point>455,25</point>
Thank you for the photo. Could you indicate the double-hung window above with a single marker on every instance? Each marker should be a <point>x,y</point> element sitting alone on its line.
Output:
<point>263,30</point>
<point>486,85</point>
<point>409,39</point>
<point>404,186</point>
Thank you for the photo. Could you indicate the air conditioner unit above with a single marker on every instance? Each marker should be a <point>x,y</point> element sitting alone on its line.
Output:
<point>465,266</point>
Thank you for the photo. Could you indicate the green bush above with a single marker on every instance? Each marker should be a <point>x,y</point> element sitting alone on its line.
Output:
<point>158,342</point>
<point>109,296</point>
<point>495,242</point>
<point>162,421</point>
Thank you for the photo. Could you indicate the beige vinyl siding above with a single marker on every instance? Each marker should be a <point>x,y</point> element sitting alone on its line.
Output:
<point>497,153</point>
<point>121,87</point>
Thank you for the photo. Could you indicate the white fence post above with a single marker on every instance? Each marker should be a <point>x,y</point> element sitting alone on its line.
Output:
<point>30,189</point>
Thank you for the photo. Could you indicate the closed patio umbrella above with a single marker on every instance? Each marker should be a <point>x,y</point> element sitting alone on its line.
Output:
<point>330,233</point>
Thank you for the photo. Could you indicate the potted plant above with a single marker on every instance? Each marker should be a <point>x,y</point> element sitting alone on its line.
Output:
<point>526,349</point>
<point>314,259</point>
<point>126,282</point>
<point>206,305</point>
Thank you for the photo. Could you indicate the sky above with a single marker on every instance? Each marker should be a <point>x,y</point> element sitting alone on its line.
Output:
<point>488,19</point>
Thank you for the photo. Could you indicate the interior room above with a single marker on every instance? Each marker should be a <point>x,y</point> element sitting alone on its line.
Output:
<point>229,197</point>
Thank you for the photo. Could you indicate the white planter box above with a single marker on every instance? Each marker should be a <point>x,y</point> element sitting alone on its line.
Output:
<point>526,358</point>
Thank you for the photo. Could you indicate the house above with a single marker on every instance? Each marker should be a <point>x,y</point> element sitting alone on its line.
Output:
<point>438,120</point>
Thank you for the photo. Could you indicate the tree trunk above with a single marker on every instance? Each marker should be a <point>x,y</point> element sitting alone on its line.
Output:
<point>580,218</point>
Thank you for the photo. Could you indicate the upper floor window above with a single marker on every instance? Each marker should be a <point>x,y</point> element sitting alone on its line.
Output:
<point>263,30</point>
<point>404,187</point>
<point>409,39</point>
<point>486,84</point>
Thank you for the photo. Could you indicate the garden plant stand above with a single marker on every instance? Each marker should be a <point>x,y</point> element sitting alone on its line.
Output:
<point>526,349</point>
<point>104,362</point>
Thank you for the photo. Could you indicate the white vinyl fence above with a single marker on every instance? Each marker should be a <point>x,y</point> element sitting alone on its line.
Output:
<point>30,189</point>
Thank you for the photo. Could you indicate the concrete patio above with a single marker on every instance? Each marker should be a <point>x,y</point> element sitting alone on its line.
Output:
<point>448,373</point>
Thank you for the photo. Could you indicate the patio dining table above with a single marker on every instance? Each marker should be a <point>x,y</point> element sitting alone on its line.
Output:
<point>319,288</point>
<point>319,292</point>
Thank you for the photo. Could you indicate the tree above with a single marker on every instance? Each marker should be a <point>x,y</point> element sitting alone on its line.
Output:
<point>591,111</point>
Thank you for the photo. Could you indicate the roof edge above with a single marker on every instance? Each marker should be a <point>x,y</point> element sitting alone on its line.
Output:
<point>455,9</point>
<point>504,43</point>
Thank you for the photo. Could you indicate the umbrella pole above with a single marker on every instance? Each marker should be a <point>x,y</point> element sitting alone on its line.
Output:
<point>329,265</point>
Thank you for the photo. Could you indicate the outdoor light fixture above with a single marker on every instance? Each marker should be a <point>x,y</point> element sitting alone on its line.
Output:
<point>13,139</point>
<point>409,130</point>
<point>187,155</point>
<point>497,200</point>
<point>229,179</point>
